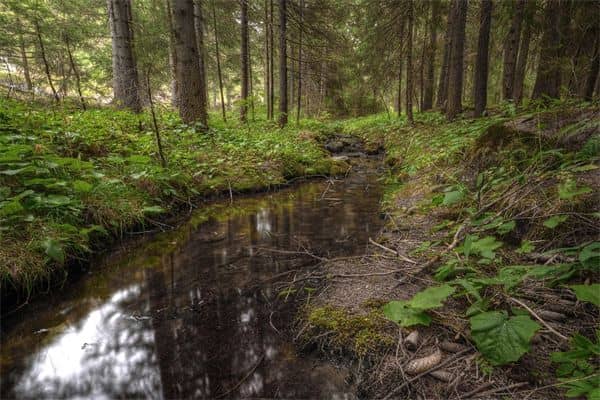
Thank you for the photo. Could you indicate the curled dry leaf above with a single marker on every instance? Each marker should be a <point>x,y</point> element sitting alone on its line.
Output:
<point>412,340</point>
<point>452,347</point>
<point>422,364</point>
<point>442,375</point>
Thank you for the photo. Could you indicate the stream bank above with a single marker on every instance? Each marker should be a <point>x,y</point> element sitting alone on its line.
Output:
<point>502,214</point>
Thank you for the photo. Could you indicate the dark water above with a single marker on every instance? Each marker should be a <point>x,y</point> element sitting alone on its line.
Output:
<point>197,312</point>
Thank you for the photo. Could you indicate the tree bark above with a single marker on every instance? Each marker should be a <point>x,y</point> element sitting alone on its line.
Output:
<point>218,57</point>
<point>244,61</point>
<point>45,60</point>
<point>455,68</point>
<point>511,49</point>
<point>481,63</point>
<point>172,56</point>
<point>283,95</point>
<point>188,73</point>
<point>24,60</point>
<point>271,63</point>
<point>409,64</point>
<point>442,97</point>
<point>267,66</point>
<point>547,80</point>
<point>199,29</point>
<point>521,67</point>
<point>592,76</point>
<point>125,73</point>
<point>400,67</point>
<point>299,92</point>
<point>430,62</point>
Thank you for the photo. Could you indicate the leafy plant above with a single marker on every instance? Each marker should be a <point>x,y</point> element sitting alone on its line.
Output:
<point>500,338</point>
<point>578,367</point>
<point>412,312</point>
<point>589,293</point>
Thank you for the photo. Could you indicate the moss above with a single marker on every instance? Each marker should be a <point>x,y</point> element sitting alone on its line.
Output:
<point>361,334</point>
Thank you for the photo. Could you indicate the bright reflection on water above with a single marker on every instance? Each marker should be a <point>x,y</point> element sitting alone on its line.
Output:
<point>191,313</point>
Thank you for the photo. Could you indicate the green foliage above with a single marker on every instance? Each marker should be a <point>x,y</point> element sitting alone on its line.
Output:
<point>578,367</point>
<point>589,293</point>
<point>500,338</point>
<point>412,312</point>
<point>555,220</point>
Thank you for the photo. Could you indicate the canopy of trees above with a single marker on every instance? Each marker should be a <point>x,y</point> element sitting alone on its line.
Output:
<point>311,58</point>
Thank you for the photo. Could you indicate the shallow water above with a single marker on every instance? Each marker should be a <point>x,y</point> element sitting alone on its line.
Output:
<point>199,311</point>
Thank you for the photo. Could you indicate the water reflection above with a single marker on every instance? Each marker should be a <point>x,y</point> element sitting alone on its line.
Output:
<point>193,313</point>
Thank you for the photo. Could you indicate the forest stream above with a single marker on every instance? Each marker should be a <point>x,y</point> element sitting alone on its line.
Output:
<point>199,311</point>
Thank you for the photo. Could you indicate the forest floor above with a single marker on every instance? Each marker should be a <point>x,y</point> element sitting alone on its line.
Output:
<point>73,181</point>
<point>488,262</point>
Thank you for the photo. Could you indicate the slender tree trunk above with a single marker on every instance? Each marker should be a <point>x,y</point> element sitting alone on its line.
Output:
<point>481,63</point>
<point>24,60</point>
<point>188,67</point>
<point>409,63</point>
<point>299,94</point>
<point>125,74</point>
<point>422,72</point>
<point>244,61</point>
<point>172,57</point>
<point>283,95</point>
<point>442,97</point>
<point>45,59</point>
<point>400,66</point>
<point>75,71</point>
<point>592,76</point>
<point>218,57</point>
<point>267,66</point>
<point>250,80</point>
<point>199,29</point>
<point>521,67</point>
<point>511,49</point>
<point>546,82</point>
<point>455,70</point>
<point>430,62</point>
<point>271,63</point>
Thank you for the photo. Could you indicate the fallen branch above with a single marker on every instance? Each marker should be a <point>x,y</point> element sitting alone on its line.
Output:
<point>396,253</point>
<point>260,360</point>
<point>525,306</point>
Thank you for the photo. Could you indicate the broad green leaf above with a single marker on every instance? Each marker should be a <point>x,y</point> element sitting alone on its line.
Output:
<point>82,186</point>
<point>57,200</point>
<point>568,190</point>
<point>526,247</point>
<point>590,255</point>
<point>453,197</point>
<point>506,227</point>
<point>589,293</point>
<point>399,312</point>
<point>10,208</point>
<point>432,297</point>
<point>501,339</point>
<point>485,247</point>
<point>54,250</point>
<point>554,221</point>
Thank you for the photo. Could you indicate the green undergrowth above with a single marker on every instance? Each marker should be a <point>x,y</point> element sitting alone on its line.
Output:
<point>72,179</point>
<point>508,191</point>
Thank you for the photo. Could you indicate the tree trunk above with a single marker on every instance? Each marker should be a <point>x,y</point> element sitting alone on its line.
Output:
<point>442,97</point>
<point>299,93</point>
<point>271,63</point>
<point>521,67</point>
<point>125,74</point>
<point>267,66</point>
<point>283,95</point>
<point>218,57</point>
<point>24,60</point>
<point>430,62</point>
<point>590,81</point>
<point>172,57</point>
<point>75,71</point>
<point>45,60</point>
<point>511,49</point>
<point>481,63</point>
<point>409,64</point>
<point>455,68</point>
<point>244,61</point>
<point>546,81</point>
<point>188,73</point>
<point>400,64</point>
<point>199,29</point>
